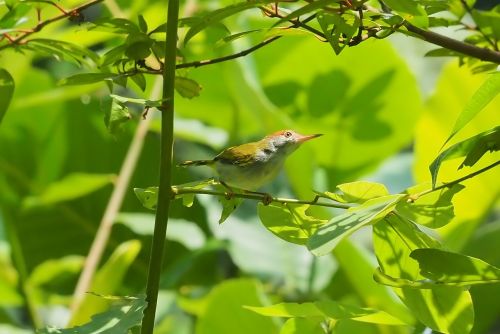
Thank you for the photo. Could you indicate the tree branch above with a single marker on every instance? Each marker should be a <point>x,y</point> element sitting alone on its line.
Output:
<point>70,13</point>
<point>257,196</point>
<point>176,192</point>
<point>452,44</point>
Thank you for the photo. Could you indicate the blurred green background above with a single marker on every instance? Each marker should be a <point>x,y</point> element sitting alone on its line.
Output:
<point>385,111</point>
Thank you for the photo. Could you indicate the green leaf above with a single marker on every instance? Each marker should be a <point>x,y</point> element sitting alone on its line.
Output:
<point>71,187</point>
<point>125,314</point>
<point>138,46</point>
<point>229,296</point>
<point>143,102</point>
<point>115,25</point>
<point>14,16</point>
<point>116,116</point>
<point>289,222</point>
<point>62,50</point>
<point>228,207</point>
<point>327,309</point>
<point>88,78</point>
<point>107,280</point>
<point>432,210</point>
<point>143,25</point>
<point>140,80</point>
<point>406,6</point>
<point>472,148</point>
<point>220,14</point>
<point>49,277</point>
<point>484,95</point>
<point>185,232</point>
<point>357,192</point>
<point>187,88</point>
<point>454,269</point>
<point>148,197</point>
<point>442,308</point>
<point>337,29</point>
<point>488,21</point>
<point>302,326</point>
<point>6,91</point>
<point>312,6</point>
<point>329,235</point>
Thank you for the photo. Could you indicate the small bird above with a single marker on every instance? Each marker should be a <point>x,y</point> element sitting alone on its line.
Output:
<point>250,166</point>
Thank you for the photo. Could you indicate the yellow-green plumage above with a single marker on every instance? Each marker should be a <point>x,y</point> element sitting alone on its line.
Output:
<point>251,165</point>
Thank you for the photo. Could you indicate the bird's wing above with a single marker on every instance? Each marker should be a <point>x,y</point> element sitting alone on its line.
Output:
<point>240,155</point>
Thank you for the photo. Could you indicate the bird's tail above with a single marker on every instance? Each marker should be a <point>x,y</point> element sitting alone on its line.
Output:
<point>195,163</point>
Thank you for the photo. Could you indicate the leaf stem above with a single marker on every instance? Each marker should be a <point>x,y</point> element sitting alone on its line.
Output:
<point>256,196</point>
<point>164,192</point>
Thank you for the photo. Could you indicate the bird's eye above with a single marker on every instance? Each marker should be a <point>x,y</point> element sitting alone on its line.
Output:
<point>288,134</point>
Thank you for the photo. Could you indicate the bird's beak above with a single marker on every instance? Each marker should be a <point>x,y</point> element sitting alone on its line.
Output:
<point>309,137</point>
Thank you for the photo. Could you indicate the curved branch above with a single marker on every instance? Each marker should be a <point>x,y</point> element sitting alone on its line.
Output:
<point>452,44</point>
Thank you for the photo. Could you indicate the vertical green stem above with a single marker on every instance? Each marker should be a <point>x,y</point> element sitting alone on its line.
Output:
<point>164,192</point>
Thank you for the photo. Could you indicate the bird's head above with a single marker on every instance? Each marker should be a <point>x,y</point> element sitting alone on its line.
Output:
<point>288,140</point>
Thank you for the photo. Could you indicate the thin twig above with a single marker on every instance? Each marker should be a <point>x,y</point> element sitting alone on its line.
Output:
<point>256,196</point>
<point>42,24</point>
<point>452,183</point>
<point>478,28</point>
<point>243,53</point>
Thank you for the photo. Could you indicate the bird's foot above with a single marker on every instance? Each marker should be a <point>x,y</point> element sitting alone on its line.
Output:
<point>229,194</point>
<point>266,198</point>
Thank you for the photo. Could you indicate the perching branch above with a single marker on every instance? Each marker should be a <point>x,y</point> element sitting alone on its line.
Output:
<point>256,196</point>
<point>176,192</point>
<point>66,14</point>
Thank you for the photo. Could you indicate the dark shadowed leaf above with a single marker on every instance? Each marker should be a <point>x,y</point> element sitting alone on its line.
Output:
<point>460,270</point>
<point>472,148</point>
<point>443,308</point>
<point>6,91</point>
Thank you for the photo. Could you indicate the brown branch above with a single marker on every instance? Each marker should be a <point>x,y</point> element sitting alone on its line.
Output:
<point>71,13</point>
<point>452,44</point>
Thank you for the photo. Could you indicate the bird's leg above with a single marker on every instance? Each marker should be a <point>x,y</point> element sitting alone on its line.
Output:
<point>266,198</point>
<point>230,191</point>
